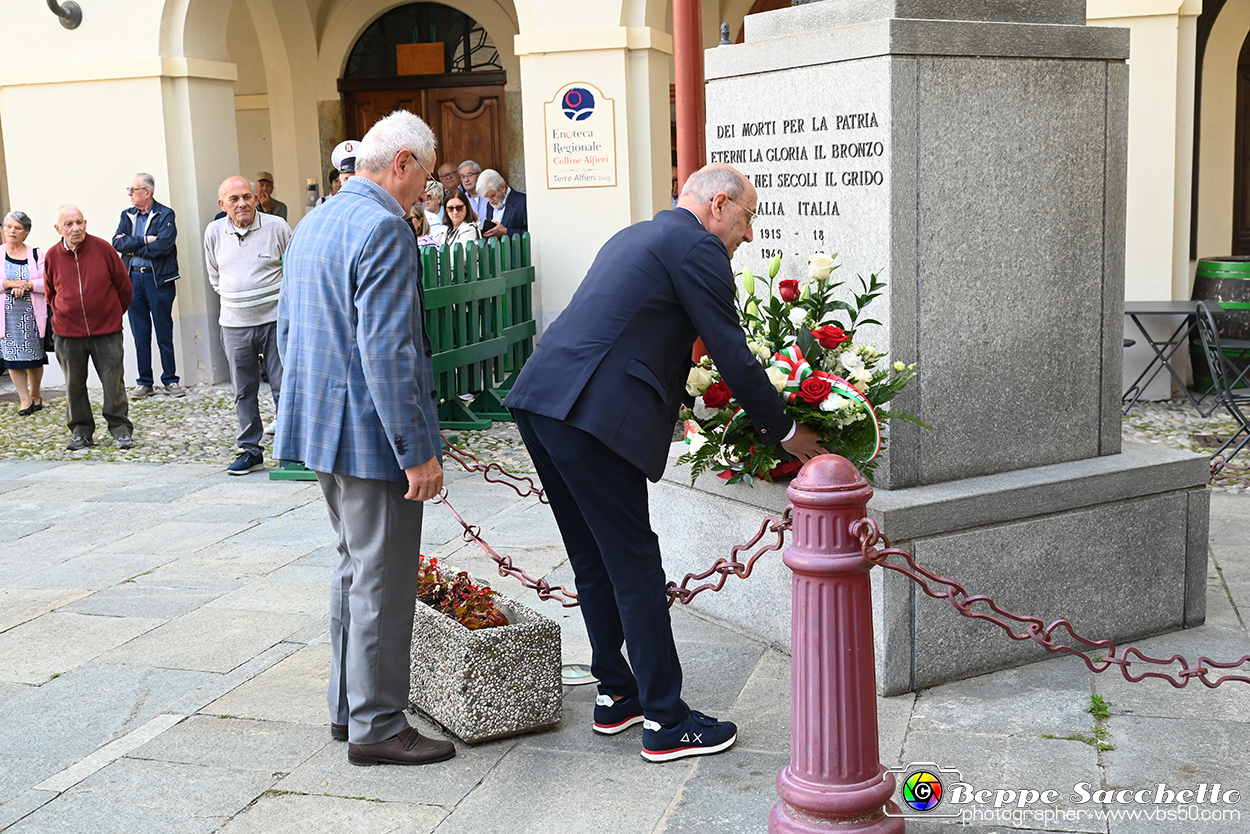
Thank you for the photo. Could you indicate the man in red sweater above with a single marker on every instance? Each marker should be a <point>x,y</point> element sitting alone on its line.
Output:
<point>88,290</point>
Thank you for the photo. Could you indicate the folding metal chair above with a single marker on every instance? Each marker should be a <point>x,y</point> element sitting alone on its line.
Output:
<point>1223,375</point>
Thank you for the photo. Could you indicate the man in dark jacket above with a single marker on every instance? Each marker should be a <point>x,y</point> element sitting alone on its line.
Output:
<point>146,237</point>
<point>506,210</point>
<point>88,290</point>
<point>596,405</point>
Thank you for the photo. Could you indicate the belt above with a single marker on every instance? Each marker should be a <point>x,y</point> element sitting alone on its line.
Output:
<point>141,269</point>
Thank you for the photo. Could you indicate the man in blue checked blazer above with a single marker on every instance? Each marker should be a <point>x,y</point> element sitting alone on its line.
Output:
<point>596,405</point>
<point>359,408</point>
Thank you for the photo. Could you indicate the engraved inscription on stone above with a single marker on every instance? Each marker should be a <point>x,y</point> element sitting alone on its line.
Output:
<point>818,157</point>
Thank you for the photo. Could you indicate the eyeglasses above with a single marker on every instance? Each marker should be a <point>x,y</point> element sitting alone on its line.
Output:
<point>750,214</point>
<point>455,208</point>
<point>430,178</point>
<point>133,190</point>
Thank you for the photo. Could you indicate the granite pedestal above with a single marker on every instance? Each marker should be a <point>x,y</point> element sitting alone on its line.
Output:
<point>973,153</point>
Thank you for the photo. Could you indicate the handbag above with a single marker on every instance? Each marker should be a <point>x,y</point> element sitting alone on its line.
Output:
<point>46,342</point>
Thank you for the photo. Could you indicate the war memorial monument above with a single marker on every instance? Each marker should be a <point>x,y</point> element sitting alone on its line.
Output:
<point>972,152</point>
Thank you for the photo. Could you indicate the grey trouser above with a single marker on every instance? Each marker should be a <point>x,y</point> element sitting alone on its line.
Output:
<point>372,600</point>
<point>106,354</point>
<point>244,346</point>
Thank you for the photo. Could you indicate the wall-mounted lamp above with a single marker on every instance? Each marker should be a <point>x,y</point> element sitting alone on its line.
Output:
<point>70,13</point>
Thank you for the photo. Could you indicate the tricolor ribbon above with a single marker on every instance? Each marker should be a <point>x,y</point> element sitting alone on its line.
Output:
<point>796,367</point>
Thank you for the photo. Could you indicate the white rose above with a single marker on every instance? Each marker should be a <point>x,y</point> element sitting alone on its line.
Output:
<point>696,441</point>
<point>899,367</point>
<point>819,266</point>
<point>702,412</point>
<point>861,377</point>
<point>850,361</point>
<point>797,316</point>
<point>777,377</point>
<point>830,403</point>
<point>761,352</point>
<point>697,381</point>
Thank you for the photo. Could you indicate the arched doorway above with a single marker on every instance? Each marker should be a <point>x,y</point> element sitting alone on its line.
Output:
<point>1241,160</point>
<point>437,62</point>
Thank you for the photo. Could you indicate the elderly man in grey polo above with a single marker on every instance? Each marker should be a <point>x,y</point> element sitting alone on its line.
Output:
<point>244,253</point>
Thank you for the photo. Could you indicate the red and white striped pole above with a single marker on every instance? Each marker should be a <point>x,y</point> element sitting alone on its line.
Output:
<point>835,780</point>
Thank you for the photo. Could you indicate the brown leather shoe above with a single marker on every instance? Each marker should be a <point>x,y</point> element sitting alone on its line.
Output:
<point>407,748</point>
<point>338,732</point>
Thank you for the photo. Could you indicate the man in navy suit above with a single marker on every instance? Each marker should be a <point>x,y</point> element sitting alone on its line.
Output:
<point>505,206</point>
<point>596,405</point>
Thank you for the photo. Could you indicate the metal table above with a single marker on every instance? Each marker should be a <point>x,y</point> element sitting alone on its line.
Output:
<point>1163,349</point>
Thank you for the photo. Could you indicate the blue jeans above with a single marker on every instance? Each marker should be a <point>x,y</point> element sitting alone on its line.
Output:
<point>153,308</point>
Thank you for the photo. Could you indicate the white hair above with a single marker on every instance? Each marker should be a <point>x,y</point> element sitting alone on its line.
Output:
<point>66,207</point>
<point>477,169</point>
<point>489,180</point>
<point>710,180</point>
<point>147,180</point>
<point>399,131</point>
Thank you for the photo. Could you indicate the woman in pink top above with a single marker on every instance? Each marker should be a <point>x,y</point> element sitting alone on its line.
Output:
<point>25,318</point>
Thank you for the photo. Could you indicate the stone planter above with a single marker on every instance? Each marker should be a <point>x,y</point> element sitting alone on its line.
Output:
<point>487,683</point>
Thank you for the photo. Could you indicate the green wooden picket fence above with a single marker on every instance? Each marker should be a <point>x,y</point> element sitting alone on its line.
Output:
<point>479,313</point>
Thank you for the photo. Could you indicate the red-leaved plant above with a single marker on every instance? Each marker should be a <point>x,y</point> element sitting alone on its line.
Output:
<point>462,599</point>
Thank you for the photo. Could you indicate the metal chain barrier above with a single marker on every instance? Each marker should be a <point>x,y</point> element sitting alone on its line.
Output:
<point>1032,628</point>
<point>1222,470</point>
<point>723,567</point>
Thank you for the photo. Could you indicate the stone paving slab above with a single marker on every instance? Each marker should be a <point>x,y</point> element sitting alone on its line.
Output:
<point>442,783</point>
<point>284,597</point>
<point>94,570</point>
<point>132,599</point>
<point>310,533</point>
<point>179,537</point>
<point>733,793</point>
<point>301,814</point>
<point>11,531</point>
<point>235,490</point>
<point>232,558</point>
<point>91,706</point>
<point>236,743</point>
<point>19,773</point>
<point>1153,751</point>
<point>569,793</point>
<point>230,513</point>
<point>293,690</point>
<point>53,644</point>
<point>140,796</point>
<point>1039,699</point>
<point>18,605</point>
<point>209,640</point>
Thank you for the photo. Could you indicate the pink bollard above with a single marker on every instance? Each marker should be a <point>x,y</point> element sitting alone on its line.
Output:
<point>835,780</point>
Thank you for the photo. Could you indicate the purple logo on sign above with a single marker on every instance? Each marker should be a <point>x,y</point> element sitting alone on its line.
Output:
<point>578,103</point>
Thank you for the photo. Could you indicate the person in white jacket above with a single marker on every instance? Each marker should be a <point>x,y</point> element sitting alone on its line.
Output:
<point>461,226</point>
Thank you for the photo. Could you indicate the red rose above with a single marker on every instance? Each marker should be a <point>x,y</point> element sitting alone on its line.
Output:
<point>717,395</point>
<point>830,336</point>
<point>789,289</point>
<point>814,389</point>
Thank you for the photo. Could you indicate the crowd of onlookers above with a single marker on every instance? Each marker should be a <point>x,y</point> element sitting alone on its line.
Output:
<point>70,299</point>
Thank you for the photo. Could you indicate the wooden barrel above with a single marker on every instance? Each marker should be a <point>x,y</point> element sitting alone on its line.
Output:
<point>1224,284</point>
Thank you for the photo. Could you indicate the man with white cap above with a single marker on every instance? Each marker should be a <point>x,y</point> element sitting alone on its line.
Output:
<point>343,157</point>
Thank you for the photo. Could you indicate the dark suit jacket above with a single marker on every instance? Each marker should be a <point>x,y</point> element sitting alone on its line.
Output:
<point>515,212</point>
<point>162,252</point>
<point>615,362</point>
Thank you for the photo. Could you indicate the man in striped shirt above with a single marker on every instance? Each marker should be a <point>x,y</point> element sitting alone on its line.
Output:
<point>244,252</point>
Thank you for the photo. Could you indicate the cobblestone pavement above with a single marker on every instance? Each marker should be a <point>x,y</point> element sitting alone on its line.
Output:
<point>200,428</point>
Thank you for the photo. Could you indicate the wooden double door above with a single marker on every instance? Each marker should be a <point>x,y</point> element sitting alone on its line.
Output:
<point>465,110</point>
